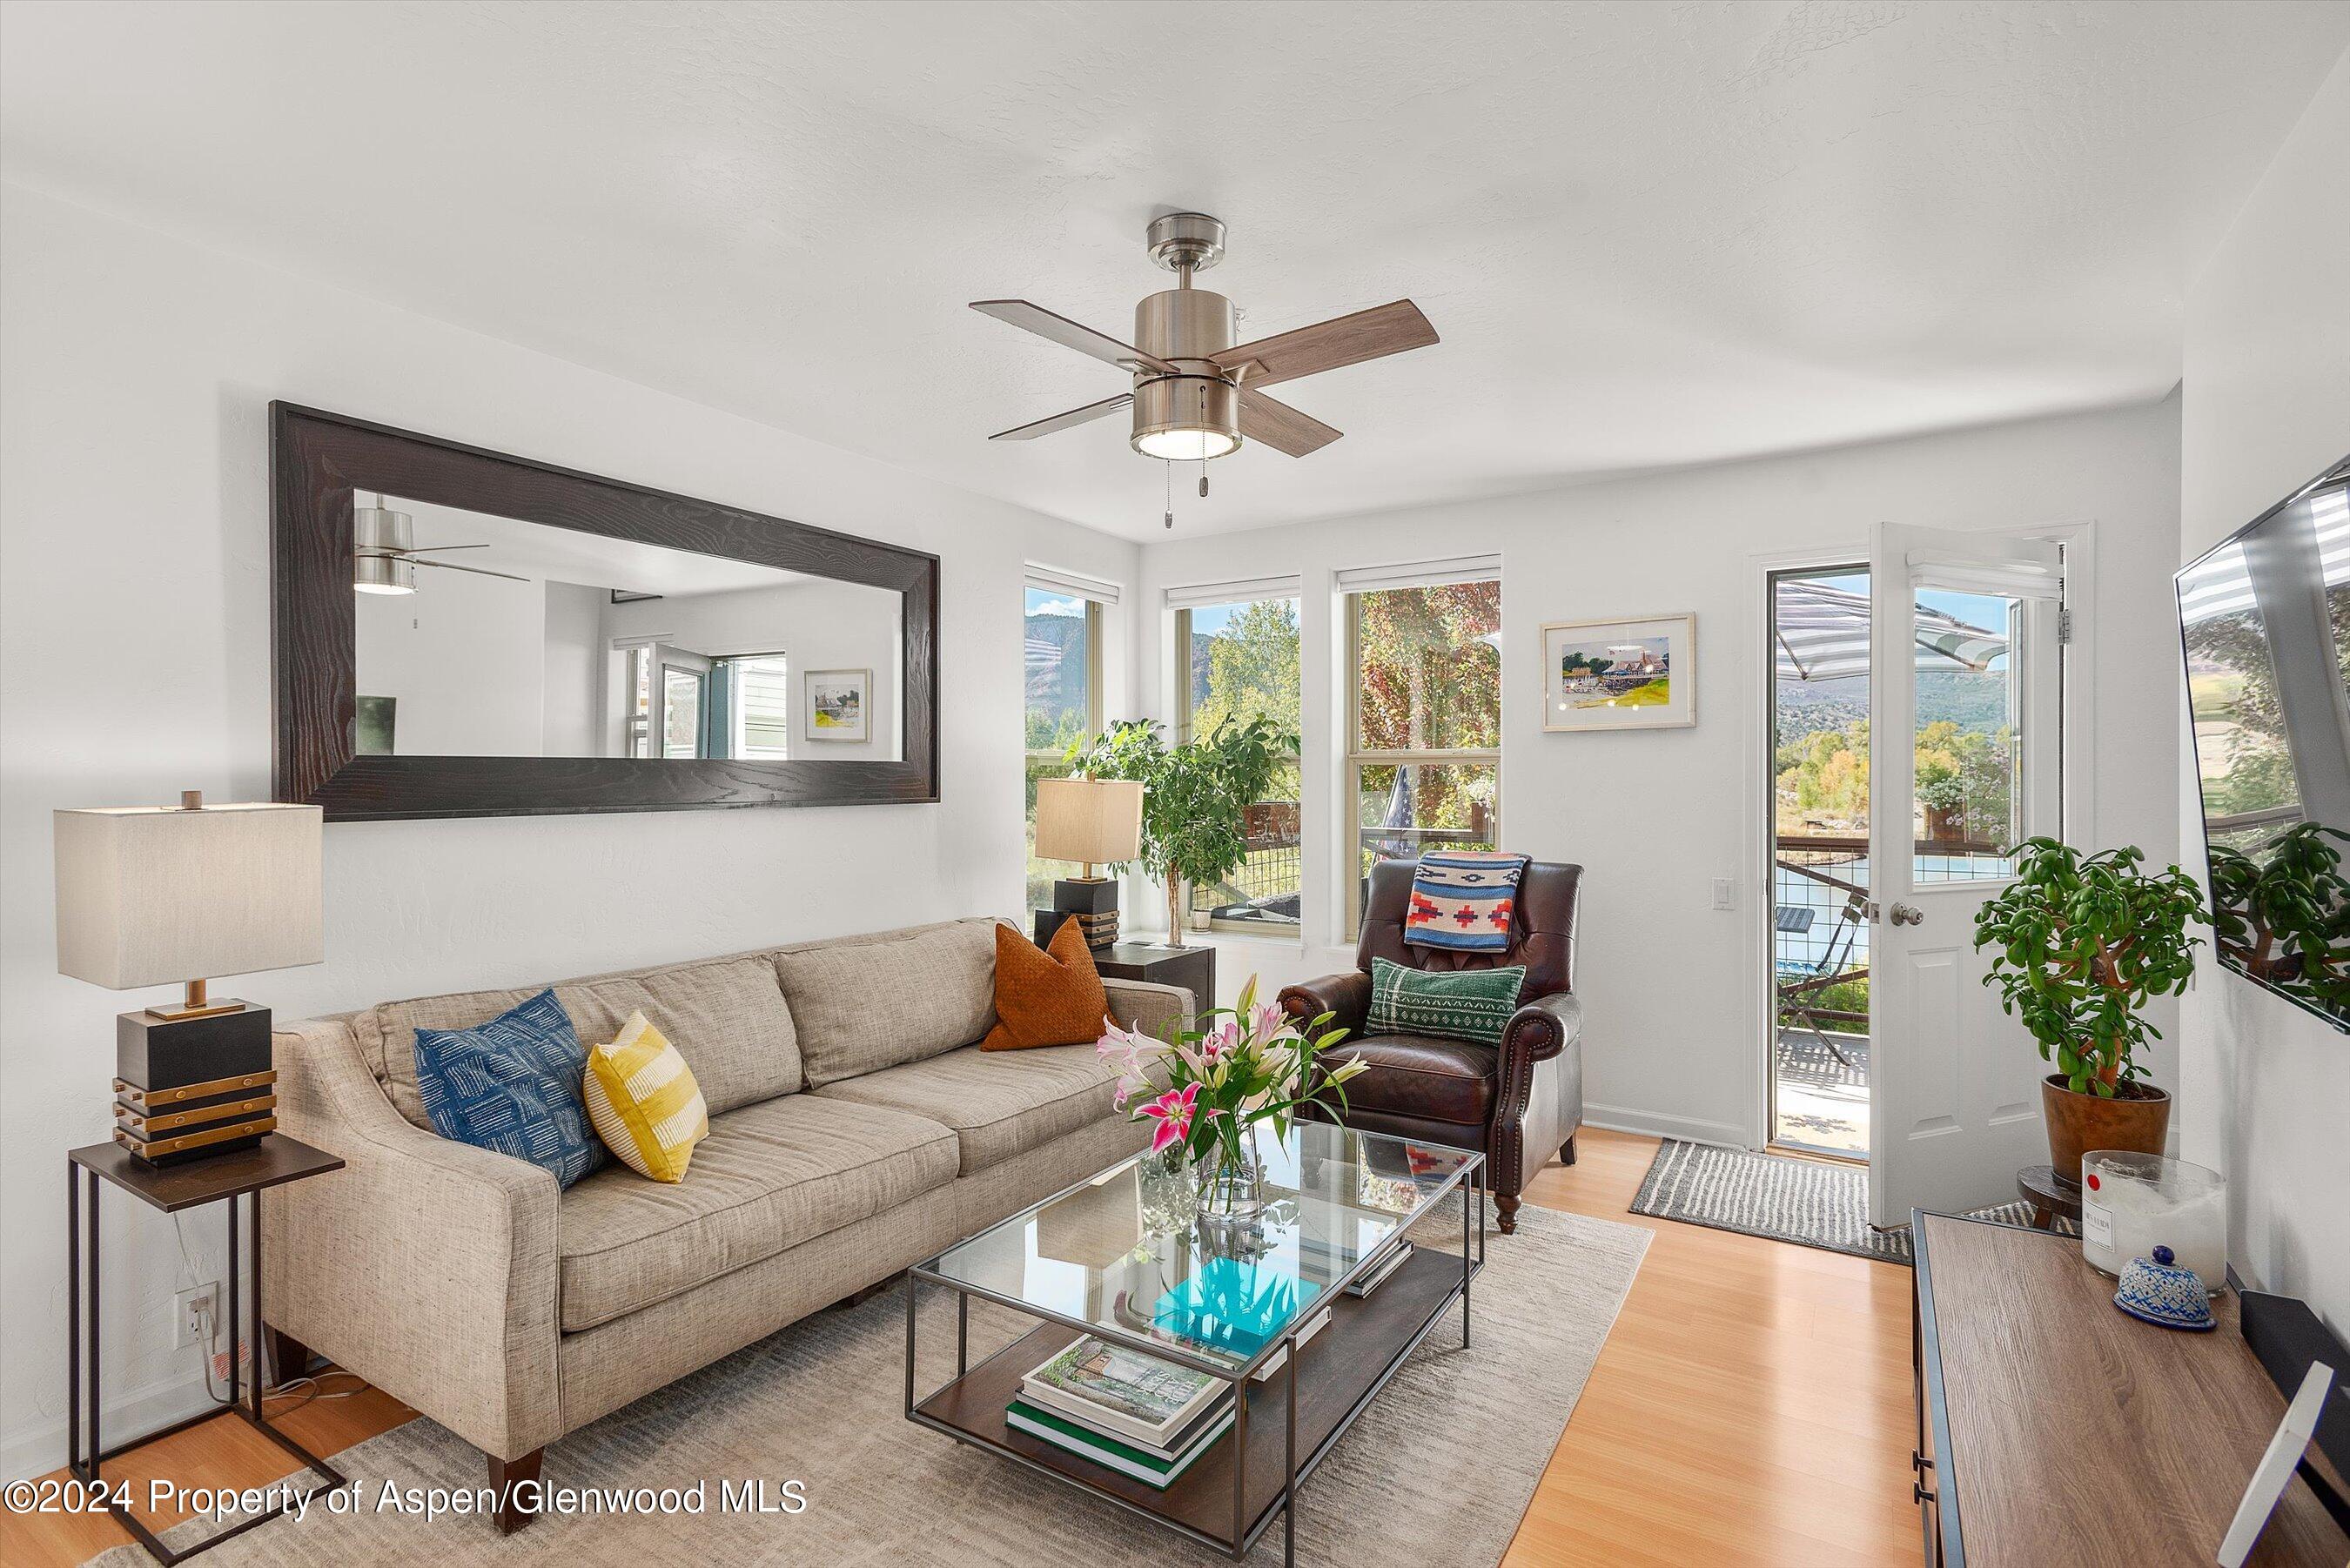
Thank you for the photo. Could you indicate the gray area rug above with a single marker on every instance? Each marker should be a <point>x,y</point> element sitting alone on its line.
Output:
<point>1449,1451</point>
<point>1807,1201</point>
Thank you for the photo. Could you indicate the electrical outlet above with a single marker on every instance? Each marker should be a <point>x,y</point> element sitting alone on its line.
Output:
<point>1725,893</point>
<point>194,1315</point>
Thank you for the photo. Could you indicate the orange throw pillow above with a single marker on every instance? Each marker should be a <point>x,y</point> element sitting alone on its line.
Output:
<point>1046,996</point>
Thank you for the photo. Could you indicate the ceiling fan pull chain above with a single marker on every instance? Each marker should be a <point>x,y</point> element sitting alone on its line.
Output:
<point>1203,446</point>
<point>1170,493</point>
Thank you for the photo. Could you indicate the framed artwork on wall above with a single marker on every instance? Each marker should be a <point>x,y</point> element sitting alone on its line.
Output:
<point>1638,674</point>
<point>378,719</point>
<point>839,704</point>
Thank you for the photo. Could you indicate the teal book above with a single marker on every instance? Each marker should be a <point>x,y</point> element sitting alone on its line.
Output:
<point>1235,1307</point>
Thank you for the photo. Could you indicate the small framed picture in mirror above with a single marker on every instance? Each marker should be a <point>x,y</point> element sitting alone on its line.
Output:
<point>839,704</point>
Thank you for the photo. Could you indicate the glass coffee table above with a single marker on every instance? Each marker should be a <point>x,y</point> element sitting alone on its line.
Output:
<point>1121,1257</point>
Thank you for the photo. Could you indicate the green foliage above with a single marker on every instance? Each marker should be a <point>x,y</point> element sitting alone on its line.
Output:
<point>2081,944</point>
<point>1825,772</point>
<point>1193,795</point>
<point>2285,918</point>
<point>1253,669</point>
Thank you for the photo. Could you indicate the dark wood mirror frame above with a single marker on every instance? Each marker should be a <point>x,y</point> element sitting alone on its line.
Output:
<point>318,459</point>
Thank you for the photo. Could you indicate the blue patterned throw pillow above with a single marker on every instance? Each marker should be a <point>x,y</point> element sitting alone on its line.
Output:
<point>512,1085</point>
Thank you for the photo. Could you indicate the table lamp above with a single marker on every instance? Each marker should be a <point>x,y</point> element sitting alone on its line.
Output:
<point>1095,822</point>
<point>158,895</point>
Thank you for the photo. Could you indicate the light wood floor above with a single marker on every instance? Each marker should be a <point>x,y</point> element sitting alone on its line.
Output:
<point>1752,1406</point>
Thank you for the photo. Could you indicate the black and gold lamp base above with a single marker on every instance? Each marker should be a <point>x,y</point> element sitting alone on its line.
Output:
<point>195,1085</point>
<point>1091,901</point>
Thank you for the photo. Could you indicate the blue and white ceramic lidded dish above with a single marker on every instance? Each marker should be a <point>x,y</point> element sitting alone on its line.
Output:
<point>2156,1290</point>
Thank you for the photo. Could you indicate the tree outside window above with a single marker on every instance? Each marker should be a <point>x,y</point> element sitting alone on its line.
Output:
<point>1240,661</point>
<point>1424,759</point>
<point>1062,659</point>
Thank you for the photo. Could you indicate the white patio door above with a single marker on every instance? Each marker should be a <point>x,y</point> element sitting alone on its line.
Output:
<point>1965,760</point>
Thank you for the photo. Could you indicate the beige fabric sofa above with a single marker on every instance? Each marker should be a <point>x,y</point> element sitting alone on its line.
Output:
<point>855,1128</point>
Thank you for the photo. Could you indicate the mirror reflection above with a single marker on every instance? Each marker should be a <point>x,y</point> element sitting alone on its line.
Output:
<point>482,635</point>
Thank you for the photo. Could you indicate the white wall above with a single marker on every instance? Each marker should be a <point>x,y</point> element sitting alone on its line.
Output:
<point>134,662</point>
<point>2267,1088</point>
<point>465,655</point>
<point>1669,984</point>
<point>816,625</point>
<point>573,713</point>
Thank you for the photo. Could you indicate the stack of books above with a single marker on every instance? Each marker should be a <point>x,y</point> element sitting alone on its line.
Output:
<point>1374,1276</point>
<point>1139,1416</point>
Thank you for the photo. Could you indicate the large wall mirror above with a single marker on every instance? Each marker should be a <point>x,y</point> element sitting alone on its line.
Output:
<point>462,633</point>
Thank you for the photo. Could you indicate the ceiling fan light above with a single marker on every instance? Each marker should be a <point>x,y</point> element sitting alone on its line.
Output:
<point>1181,445</point>
<point>380,538</point>
<point>382,575</point>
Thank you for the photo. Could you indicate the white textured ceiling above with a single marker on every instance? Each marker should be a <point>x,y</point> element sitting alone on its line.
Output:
<point>1649,233</point>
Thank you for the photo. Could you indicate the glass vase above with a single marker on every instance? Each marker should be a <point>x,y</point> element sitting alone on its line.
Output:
<point>1232,1188</point>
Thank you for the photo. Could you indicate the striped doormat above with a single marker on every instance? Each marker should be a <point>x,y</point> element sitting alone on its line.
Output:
<point>1807,1201</point>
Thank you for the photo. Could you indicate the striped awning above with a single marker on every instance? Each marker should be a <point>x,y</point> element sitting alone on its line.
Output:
<point>1823,634</point>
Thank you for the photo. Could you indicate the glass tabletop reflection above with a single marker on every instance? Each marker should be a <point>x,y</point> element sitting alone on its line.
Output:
<point>1122,1253</point>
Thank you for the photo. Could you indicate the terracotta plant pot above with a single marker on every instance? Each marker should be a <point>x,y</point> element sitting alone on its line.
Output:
<point>2136,1118</point>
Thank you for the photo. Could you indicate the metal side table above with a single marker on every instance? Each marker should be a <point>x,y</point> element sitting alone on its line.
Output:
<point>272,1162</point>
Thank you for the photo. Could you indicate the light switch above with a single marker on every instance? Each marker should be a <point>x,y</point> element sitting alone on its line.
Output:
<point>1725,893</point>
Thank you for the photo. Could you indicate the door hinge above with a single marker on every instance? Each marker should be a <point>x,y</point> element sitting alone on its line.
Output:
<point>2064,626</point>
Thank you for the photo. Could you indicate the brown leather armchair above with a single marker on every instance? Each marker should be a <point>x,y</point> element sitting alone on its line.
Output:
<point>1518,1102</point>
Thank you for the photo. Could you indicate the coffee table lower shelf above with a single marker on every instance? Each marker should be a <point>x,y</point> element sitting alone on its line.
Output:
<point>1339,1369</point>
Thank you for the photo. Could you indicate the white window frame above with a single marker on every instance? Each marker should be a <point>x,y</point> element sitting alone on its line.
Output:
<point>1181,602</point>
<point>1097,594</point>
<point>1351,585</point>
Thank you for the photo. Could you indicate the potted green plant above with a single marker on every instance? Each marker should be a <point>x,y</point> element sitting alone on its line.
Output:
<point>2285,918</point>
<point>2080,944</point>
<point>1943,794</point>
<point>1195,795</point>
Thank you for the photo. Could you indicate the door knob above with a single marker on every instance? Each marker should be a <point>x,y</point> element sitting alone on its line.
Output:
<point>1906,914</point>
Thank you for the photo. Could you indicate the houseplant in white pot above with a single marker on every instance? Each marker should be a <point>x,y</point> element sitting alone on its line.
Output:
<point>2080,944</point>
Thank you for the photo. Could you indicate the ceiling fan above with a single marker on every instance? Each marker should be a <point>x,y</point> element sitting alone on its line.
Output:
<point>384,556</point>
<point>1196,393</point>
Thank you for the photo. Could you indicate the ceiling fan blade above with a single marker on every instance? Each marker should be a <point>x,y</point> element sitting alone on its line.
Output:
<point>1343,340</point>
<point>1063,421</point>
<point>1281,427</point>
<point>421,549</point>
<point>1069,334</point>
<point>476,571</point>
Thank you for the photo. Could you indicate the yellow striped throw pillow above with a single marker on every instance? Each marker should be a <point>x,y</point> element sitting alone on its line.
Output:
<point>644,1103</point>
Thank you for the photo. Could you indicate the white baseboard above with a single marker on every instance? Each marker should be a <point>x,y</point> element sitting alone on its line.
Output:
<point>39,1447</point>
<point>1657,1123</point>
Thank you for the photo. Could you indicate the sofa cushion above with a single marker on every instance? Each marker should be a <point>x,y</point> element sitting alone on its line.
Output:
<point>1046,996</point>
<point>1418,1075</point>
<point>999,1103</point>
<point>512,1085</point>
<point>863,1006</point>
<point>726,1016</point>
<point>767,1178</point>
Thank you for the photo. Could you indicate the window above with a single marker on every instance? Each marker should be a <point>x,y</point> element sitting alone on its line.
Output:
<point>637,703</point>
<point>759,706</point>
<point>679,704</point>
<point>1237,659</point>
<point>1062,653</point>
<point>1423,750</point>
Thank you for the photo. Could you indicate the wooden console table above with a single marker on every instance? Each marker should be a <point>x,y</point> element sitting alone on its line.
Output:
<point>2053,1428</point>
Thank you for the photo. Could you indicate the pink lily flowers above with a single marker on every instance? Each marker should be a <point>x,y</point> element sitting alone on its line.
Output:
<point>1172,1111</point>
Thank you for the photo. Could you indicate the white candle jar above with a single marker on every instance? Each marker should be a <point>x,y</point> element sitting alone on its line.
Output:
<point>2132,1203</point>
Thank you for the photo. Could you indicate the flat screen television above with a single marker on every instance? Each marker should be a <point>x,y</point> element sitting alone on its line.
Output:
<point>2265,620</point>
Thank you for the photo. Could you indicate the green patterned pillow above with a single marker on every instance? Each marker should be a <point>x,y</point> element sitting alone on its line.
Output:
<point>1467,1004</point>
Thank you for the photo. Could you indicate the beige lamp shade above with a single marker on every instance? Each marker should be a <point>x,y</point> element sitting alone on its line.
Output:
<point>159,895</point>
<point>1093,820</point>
